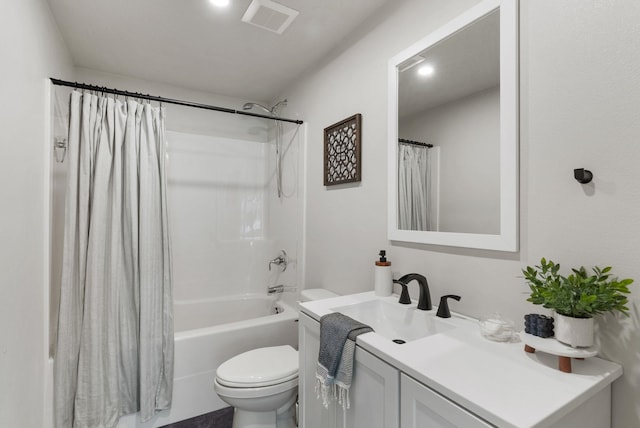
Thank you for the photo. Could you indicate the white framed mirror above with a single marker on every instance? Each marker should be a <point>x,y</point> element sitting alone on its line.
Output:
<point>453,133</point>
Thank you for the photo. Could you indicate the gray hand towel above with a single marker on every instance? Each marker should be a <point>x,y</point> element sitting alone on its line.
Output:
<point>334,372</point>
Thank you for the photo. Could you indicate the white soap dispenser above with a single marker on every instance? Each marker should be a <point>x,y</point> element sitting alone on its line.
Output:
<point>382,278</point>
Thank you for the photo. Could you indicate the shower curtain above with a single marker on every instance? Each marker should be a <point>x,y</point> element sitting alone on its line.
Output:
<point>414,187</point>
<point>114,353</point>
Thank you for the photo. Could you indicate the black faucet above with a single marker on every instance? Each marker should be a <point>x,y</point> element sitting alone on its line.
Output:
<point>404,295</point>
<point>424,302</point>
<point>443,307</point>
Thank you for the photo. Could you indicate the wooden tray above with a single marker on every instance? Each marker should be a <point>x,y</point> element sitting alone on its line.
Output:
<point>551,346</point>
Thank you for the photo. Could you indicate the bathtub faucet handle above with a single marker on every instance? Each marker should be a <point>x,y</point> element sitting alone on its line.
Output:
<point>282,260</point>
<point>280,288</point>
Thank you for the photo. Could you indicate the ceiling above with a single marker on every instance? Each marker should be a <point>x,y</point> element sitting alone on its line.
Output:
<point>192,44</point>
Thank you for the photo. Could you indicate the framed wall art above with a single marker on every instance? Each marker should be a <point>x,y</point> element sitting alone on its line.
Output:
<point>343,151</point>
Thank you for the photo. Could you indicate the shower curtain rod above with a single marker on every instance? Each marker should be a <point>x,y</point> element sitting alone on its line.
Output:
<point>415,143</point>
<point>103,89</point>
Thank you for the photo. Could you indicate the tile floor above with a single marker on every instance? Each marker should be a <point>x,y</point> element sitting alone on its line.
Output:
<point>222,418</point>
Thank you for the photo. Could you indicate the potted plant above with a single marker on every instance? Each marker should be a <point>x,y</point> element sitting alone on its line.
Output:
<point>576,298</point>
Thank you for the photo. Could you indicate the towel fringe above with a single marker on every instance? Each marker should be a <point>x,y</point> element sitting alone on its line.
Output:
<point>332,392</point>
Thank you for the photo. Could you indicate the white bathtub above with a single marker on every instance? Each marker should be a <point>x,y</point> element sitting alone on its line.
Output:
<point>209,332</point>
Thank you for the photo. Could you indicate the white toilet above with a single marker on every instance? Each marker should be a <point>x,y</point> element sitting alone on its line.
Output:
<point>262,384</point>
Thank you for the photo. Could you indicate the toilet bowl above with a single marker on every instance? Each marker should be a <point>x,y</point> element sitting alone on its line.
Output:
<point>262,384</point>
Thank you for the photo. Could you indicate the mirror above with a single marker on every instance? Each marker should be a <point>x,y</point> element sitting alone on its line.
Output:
<point>453,134</point>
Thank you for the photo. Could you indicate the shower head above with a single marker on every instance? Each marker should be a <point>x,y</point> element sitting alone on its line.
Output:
<point>277,105</point>
<point>249,106</point>
<point>271,111</point>
<point>278,137</point>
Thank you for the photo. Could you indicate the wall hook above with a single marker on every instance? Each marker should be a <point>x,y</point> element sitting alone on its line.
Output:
<point>583,176</point>
<point>60,149</point>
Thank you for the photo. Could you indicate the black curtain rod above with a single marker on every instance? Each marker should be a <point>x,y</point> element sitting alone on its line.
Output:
<point>102,89</point>
<point>415,143</point>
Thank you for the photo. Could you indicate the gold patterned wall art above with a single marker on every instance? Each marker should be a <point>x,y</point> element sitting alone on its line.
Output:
<point>343,151</point>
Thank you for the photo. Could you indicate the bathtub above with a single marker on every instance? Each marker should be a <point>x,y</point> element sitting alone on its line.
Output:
<point>209,332</point>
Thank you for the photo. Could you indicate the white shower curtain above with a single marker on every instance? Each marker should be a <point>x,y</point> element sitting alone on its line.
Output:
<point>114,353</point>
<point>414,188</point>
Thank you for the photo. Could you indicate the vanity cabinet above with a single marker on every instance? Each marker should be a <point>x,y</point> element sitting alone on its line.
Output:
<point>379,394</point>
<point>374,391</point>
<point>384,396</point>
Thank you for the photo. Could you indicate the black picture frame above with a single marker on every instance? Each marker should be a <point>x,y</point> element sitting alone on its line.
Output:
<point>343,151</point>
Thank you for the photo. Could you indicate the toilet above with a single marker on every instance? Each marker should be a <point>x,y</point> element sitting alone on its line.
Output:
<point>262,384</point>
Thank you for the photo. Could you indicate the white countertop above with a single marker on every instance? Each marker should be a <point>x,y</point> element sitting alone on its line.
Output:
<point>497,381</point>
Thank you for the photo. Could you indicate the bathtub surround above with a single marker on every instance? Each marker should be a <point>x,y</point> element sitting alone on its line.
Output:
<point>114,353</point>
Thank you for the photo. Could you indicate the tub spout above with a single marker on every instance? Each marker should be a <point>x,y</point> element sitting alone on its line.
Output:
<point>280,288</point>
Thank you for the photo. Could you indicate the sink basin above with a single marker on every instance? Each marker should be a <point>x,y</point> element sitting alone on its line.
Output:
<point>395,321</point>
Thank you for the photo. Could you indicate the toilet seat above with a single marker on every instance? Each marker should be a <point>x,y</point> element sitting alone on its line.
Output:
<point>261,367</point>
<point>255,392</point>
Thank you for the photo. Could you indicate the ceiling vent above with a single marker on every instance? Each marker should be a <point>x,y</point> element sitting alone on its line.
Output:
<point>269,15</point>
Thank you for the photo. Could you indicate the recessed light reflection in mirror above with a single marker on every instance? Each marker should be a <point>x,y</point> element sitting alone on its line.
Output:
<point>426,70</point>
<point>219,3</point>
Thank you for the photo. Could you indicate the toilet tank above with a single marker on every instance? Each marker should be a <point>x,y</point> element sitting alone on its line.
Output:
<point>316,294</point>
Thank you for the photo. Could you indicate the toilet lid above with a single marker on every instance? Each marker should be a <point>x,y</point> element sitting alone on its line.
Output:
<point>259,367</point>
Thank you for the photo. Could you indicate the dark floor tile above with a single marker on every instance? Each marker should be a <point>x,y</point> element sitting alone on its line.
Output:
<point>222,418</point>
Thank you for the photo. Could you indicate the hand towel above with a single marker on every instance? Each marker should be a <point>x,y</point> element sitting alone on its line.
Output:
<point>334,371</point>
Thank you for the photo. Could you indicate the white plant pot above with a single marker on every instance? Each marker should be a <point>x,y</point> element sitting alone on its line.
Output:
<point>575,332</point>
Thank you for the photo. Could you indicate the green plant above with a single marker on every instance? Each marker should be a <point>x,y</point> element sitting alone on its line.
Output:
<point>578,295</point>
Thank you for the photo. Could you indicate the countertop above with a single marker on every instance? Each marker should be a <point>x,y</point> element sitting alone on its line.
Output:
<point>499,382</point>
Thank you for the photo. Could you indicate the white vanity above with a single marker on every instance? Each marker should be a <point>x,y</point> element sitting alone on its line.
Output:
<point>452,377</point>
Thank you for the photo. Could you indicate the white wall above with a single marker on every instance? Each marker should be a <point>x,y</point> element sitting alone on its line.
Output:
<point>31,50</point>
<point>469,178</point>
<point>580,86</point>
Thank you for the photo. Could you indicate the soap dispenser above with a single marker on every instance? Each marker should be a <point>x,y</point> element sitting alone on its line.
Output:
<point>383,279</point>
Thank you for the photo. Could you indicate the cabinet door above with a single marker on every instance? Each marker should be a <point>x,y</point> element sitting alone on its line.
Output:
<point>422,407</point>
<point>374,394</point>
<point>312,413</point>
